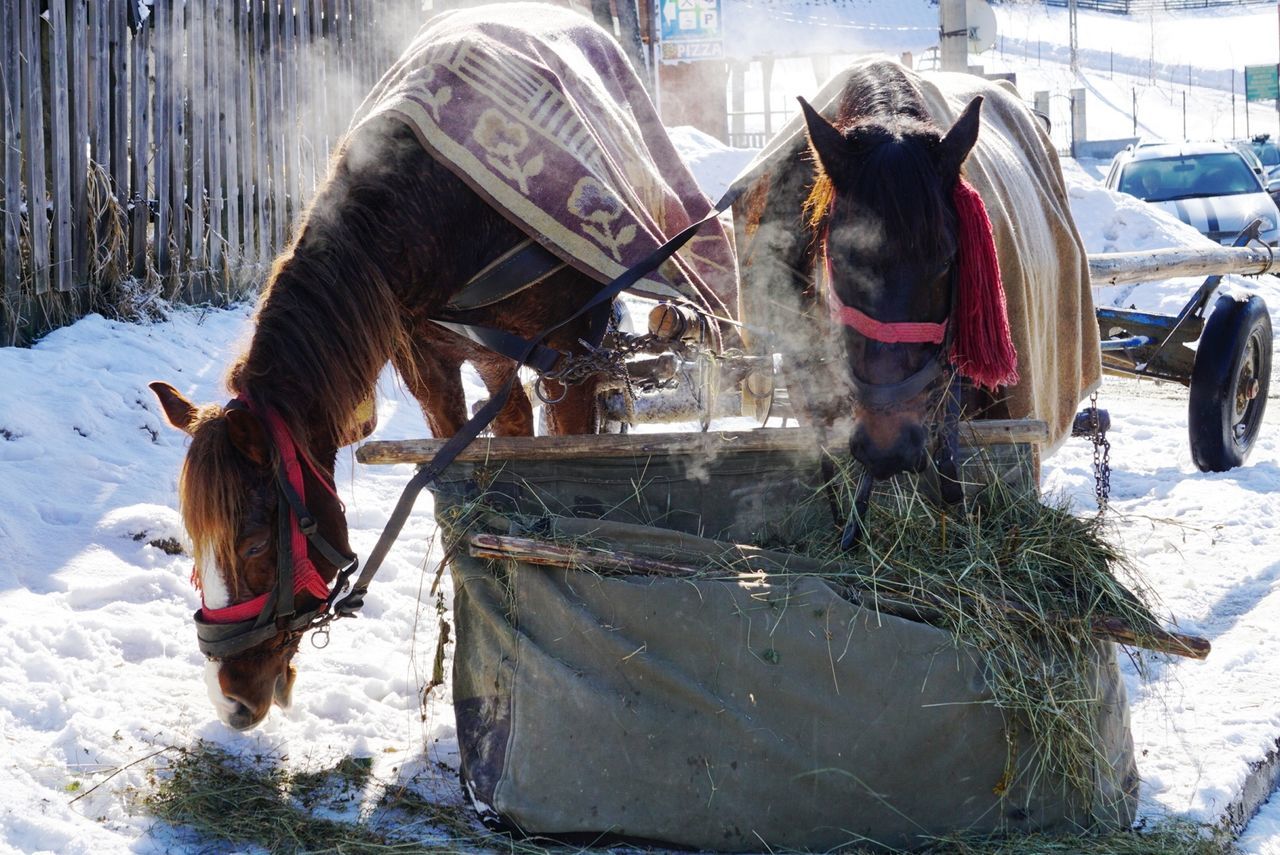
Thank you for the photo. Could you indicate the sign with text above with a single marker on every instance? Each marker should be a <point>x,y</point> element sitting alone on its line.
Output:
<point>690,30</point>
<point>1261,83</point>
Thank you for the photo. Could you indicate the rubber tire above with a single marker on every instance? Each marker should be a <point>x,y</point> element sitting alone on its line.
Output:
<point>1236,340</point>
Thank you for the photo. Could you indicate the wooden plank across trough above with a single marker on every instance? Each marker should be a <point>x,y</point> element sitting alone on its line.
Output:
<point>1119,268</point>
<point>802,440</point>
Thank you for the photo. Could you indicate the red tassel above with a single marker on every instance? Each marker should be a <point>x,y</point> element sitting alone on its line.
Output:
<point>982,349</point>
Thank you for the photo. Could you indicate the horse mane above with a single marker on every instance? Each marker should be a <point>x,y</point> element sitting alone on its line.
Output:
<point>212,492</point>
<point>328,319</point>
<point>327,322</point>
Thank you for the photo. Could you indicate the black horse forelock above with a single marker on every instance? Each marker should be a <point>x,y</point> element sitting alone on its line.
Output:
<point>895,182</point>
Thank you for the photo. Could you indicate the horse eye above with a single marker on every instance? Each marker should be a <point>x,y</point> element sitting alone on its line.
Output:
<point>256,549</point>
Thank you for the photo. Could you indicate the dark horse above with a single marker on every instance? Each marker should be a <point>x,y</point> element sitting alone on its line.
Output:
<point>872,232</point>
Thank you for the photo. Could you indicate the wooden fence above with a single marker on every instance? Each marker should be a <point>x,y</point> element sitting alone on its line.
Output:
<point>1127,7</point>
<point>161,151</point>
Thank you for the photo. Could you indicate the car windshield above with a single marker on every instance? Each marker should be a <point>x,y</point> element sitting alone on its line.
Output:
<point>1165,178</point>
<point>1268,153</point>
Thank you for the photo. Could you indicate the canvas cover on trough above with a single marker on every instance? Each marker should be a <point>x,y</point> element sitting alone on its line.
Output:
<point>732,715</point>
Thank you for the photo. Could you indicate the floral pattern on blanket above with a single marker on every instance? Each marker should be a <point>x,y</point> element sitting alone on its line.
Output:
<point>547,120</point>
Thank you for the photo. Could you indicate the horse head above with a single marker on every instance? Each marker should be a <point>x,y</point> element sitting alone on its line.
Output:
<point>882,207</point>
<point>263,562</point>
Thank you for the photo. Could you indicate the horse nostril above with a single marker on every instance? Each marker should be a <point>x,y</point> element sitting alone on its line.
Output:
<point>240,717</point>
<point>858,445</point>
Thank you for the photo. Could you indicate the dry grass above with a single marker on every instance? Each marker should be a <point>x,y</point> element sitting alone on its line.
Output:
<point>258,802</point>
<point>1018,578</point>
<point>111,285</point>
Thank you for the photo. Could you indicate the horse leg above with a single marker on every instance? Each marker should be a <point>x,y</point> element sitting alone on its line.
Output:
<point>434,379</point>
<point>575,413</point>
<point>516,416</point>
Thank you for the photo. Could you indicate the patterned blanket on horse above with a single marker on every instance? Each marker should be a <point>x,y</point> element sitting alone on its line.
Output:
<point>1043,262</point>
<point>540,112</point>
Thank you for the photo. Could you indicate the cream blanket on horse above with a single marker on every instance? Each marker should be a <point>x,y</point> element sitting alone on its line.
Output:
<point>1042,258</point>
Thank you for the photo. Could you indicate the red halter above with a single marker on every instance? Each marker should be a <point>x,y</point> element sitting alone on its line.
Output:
<point>305,576</point>
<point>896,332</point>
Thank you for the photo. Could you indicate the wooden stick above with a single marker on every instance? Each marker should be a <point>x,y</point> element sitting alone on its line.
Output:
<point>798,440</point>
<point>621,562</point>
<point>1118,268</point>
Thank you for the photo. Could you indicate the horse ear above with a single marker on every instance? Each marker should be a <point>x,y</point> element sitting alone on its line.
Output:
<point>955,146</point>
<point>248,436</point>
<point>178,410</point>
<point>828,144</point>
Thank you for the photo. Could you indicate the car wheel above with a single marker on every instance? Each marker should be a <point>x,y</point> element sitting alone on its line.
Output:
<point>1229,383</point>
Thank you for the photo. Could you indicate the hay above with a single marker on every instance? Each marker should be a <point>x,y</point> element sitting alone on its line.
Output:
<point>1017,577</point>
<point>256,801</point>
<point>260,801</point>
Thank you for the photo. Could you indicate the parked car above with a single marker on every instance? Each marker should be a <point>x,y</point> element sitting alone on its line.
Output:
<point>1267,152</point>
<point>1264,156</point>
<point>1208,185</point>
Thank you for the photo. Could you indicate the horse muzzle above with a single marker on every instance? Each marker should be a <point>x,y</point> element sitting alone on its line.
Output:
<point>904,451</point>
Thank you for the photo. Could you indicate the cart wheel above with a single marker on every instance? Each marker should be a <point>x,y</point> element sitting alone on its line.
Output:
<point>1229,383</point>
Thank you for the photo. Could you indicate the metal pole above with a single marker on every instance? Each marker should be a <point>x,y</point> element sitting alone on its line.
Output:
<point>953,35</point>
<point>1233,102</point>
<point>1074,37</point>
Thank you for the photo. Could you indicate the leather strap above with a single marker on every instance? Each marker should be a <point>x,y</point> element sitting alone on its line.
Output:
<point>537,356</point>
<point>523,266</point>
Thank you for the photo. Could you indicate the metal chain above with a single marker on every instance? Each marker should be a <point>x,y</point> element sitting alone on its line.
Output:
<point>608,360</point>
<point>1101,456</point>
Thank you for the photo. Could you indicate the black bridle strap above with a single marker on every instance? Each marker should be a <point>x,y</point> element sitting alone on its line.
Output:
<point>523,266</point>
<point>284,564</point>
<point>432,470</point>
<point>307,524</point>
<point>883,395</point>
<point>944,459</point>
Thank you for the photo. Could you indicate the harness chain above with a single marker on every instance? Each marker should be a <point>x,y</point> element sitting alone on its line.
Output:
<point>1101,456</point>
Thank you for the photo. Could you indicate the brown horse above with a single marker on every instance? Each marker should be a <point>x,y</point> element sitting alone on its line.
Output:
<point>872,232</point>
<point>497,126</point>
<point>388,239</point>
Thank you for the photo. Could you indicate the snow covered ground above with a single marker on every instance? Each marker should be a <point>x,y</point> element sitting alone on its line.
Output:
<point>99,667</point>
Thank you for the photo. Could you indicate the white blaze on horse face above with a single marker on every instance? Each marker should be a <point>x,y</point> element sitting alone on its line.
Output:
<point>221,703</point>
<point>213,588</point>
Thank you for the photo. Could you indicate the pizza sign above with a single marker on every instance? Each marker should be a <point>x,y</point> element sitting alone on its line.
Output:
<point>690,30</point>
